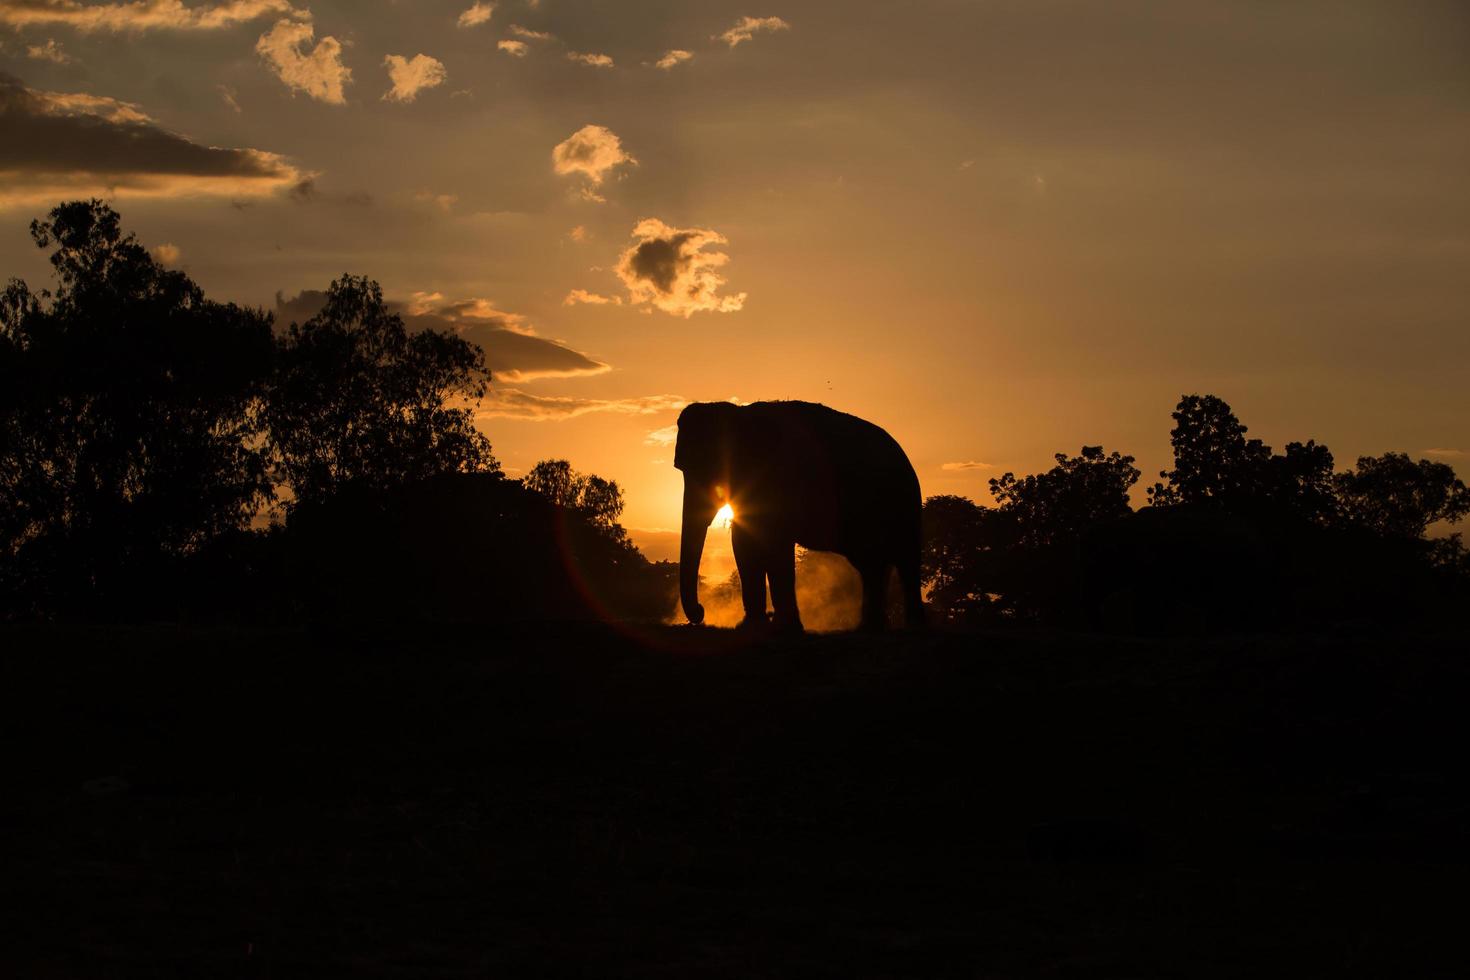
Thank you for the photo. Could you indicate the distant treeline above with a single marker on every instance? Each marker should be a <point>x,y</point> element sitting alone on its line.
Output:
<point>1233,536</point>
<point>166,456</point>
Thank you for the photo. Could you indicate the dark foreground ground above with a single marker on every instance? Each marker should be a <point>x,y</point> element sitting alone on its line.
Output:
<point>577,801</point>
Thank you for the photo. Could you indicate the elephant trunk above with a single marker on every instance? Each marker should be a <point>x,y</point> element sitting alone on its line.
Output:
<point>698,512</point>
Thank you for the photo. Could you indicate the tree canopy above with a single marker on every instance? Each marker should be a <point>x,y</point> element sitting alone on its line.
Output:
<point>130,407</point>
<point>357,398</point>
<point>599,500</point>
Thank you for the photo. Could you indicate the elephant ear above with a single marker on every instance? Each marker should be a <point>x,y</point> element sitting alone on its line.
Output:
<point>703,445</point>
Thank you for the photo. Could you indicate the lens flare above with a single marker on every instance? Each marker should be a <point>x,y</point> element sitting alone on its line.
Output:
<point>723,517</point>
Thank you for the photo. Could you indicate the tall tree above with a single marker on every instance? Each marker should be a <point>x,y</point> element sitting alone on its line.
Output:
<point>1213,460</point>
<point>356,398</point>
<point>1216,465</point>
<point>128,409</point>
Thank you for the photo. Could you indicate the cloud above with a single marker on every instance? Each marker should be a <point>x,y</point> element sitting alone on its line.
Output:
<point>968,464</point>
<point>318,72</point>
<point>672,58</point>
<point>50,51</point>
<point>444,202</point>
<point>513,352</point>
<point>74,144</point>
<point>579,234</point>
<point>228,94</point>
<point>666,436</point>
<point>747,27</point>
<point>529,34</point>
<point>140,15</point>
<point>592,60</point>
<point>303,191</point>
<point>517,49</point>
<point>1446,453</point>
<point>512,403</point>
<point>410,76</point>
<point>669,268</point>
<point>594,299</point>
<point>167,254</point>
<point>591,151</point>
<point>479,13</point>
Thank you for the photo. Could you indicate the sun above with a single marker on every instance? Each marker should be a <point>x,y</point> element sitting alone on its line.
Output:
<point>724,516</point>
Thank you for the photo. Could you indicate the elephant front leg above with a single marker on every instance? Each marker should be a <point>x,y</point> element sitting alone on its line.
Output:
<point>783,588</point>
<point>750,562</point>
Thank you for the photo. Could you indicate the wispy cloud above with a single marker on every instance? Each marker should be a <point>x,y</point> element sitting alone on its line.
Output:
<point>517,49</point>
<point>512,403</point>
<point>167,254</point>
<point>748,27</point>
<point>662,437</point>
<point>50,51</point>
<point>968,464</point>
<point>410,76</point>
<point>1446,453</point>
<point>444,202</point>
<point>670,268</point>
<point>229,96</point>
<point>317,72</point>
<point>478,13</point>
<point>591,60</point>
<point>594,299</point>
<point>141,15</point>
<point>531,35</point>
<point>671,58</point>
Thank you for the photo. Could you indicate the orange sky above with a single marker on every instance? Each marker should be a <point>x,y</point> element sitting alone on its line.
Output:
<point>1000,230</point>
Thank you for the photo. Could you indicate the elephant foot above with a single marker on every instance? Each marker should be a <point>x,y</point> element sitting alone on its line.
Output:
<point>753,623</point>
<point>787,625</point>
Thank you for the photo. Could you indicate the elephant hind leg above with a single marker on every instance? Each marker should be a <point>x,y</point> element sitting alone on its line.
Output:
<point>913,597</point>
<point>875,595</point>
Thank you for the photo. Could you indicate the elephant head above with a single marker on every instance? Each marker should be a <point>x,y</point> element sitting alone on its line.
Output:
<point>707,434</point>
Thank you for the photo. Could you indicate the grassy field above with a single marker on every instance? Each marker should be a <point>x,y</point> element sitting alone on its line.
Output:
<point>562,801</point>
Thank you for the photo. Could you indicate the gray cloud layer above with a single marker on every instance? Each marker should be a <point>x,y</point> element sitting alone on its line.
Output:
<point>139,15</point>
<point>512,351</point>
<point>74,143</point>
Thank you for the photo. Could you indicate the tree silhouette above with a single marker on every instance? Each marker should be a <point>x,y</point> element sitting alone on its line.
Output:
<point>599,500</point>
<point>130,408</point>
<point>1396,497</point>
<point>356,398</point>
<point>958,562</point>
<point>1213,460</point>
<point>1302,482</point>
<point>1216,465</point>
<point>1077,493</point>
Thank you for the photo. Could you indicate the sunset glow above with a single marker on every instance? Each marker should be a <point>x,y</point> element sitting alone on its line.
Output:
<point>724,517</point>
<point>960,221</point>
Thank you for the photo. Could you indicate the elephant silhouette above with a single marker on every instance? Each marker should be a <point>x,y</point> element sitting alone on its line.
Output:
<point>797,473</point>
